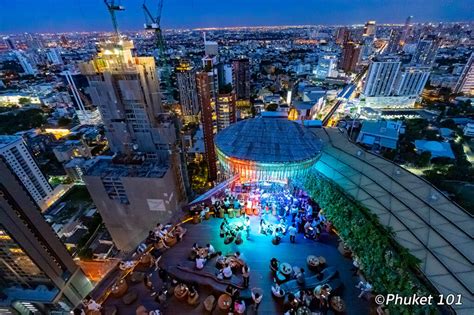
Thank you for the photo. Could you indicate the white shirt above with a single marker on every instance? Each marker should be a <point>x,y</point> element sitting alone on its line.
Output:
<point>211,249</point>
<point>227,272</point>
<point>292,231</point>
<point>255,299</point>
<point>200,263</point>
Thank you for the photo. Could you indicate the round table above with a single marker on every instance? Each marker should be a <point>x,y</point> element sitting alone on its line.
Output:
<point>312,261</point>
<point>119,288</point>
<point>224,302</point>
<point>146,260</point>
<point>181,291</point>
<point>338,304</point>
<point>170,241</point>
<point>285,269</point>
<point>203,252</point>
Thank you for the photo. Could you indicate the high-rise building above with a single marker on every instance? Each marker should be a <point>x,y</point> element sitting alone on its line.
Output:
<point>411,81</point>
<point>37,274</point>
<point>133,194</point>
<point>25,64</point>
<point>9,43</point>
<point>370,28</point>
<point>381,77</point>
<point>393,42</point>
<point>425,52</point>
<point>15,153</point>
<point>406,32</point>
<point>186,77</point>
<point>327,67</point>
<point>350,57</point>
<point>126,91</point>
<point>54,56</point>
<point>342,35</point>
<point>465,83</point>
<point>241,78</point>
<point>224,74</point>
<point>225,110</point>
<point>204,87</point>
<point>77,86</point>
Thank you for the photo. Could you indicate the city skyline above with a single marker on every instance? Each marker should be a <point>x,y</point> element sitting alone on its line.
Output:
<point>89,15</point>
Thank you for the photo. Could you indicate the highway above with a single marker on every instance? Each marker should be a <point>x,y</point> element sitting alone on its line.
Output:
<point>343,96</point>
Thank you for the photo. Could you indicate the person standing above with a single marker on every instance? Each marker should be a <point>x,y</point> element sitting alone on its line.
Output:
<point>292,231</point>
<point>257,299</point>
<point>246,275</point>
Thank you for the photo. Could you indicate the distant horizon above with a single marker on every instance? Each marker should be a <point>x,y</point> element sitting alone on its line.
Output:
<point>53,16</point>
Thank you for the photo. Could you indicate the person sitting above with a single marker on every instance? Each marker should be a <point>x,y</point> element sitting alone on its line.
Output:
<point>232,291</point>
<point>193,296</point>
<point>274,264</point>
<point>277,291</point>
<point>151,238</point>
<point>227,271</point>
<point>228,237</point>
<point>276,235</point>
<point>292,301</point>
<point>238,238</point>
<point>220,260</point>
<point>300,277</point>
<point>200,262</point>
<point>179,232</point>
<point>239,306</point>
<point>194,251</point>
<point>307,228</point>
<point>211,251</point>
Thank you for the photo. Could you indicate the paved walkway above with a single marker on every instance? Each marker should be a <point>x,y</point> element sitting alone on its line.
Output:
<point>426,222</point>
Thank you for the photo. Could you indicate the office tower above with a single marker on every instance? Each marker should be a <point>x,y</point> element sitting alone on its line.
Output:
<point>350,57</point>
<point>241,79</point>
<point>77,86</point>
<point>15,153</point>
<point>425,52</point>
<point>381,77</point>
<point>369,28</point>
<point>204,87</point>
<point>224,74</point>
<point>342,35</point>
<point>225,110</point>
<point>327,67</point>
<point>411,81</point>
<point>406,32</point>
<point>54,56</point>
<point>465,83</point>
<point>210,48</point>
<point>126,91</point>
<point>25,64</point>
<point>186,77</point>
<point>393,42</point>
<point>9,43</point>
<point>133,194</point>
<point>37,274</point>
<point>34,42</point>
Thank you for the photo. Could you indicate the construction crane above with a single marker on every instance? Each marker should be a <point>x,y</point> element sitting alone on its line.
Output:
<point>112,7</point>
<point>153,22</point>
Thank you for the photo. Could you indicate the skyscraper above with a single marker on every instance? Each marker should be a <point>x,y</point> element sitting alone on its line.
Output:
<point>369,28</point>
<point>406,32</point>
<point>54,56</point>
<point>241,78</point>
<point>465,83</point>
<point>411,81</point>
<point>9,42</point>
<point>204,86</point>
<point>211,48</point>
<point>342,35</point>
<point>15,153</point>
<point>381,77</point>
<point>37,274</point>
<point>425,52</point>
<point>225,110</point>
<point>393,42</point>
<point>186,77</point>
<point>25,64</point>
<point>350,57</point>
<point>126,91</point>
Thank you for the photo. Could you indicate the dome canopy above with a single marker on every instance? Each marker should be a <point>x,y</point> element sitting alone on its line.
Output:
<point>268,140</point>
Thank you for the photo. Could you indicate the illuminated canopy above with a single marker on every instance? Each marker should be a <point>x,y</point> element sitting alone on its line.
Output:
<point>267,149</point>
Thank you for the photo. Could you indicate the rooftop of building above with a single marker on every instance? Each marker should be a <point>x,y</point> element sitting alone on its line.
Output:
<point>268,140</point>
<point>136,166</point>
<point>6,140</point>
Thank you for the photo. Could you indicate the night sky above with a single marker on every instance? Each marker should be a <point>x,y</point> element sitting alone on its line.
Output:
<point>88,15</point>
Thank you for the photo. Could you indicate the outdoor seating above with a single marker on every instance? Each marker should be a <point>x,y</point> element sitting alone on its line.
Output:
<point>310,282</point>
